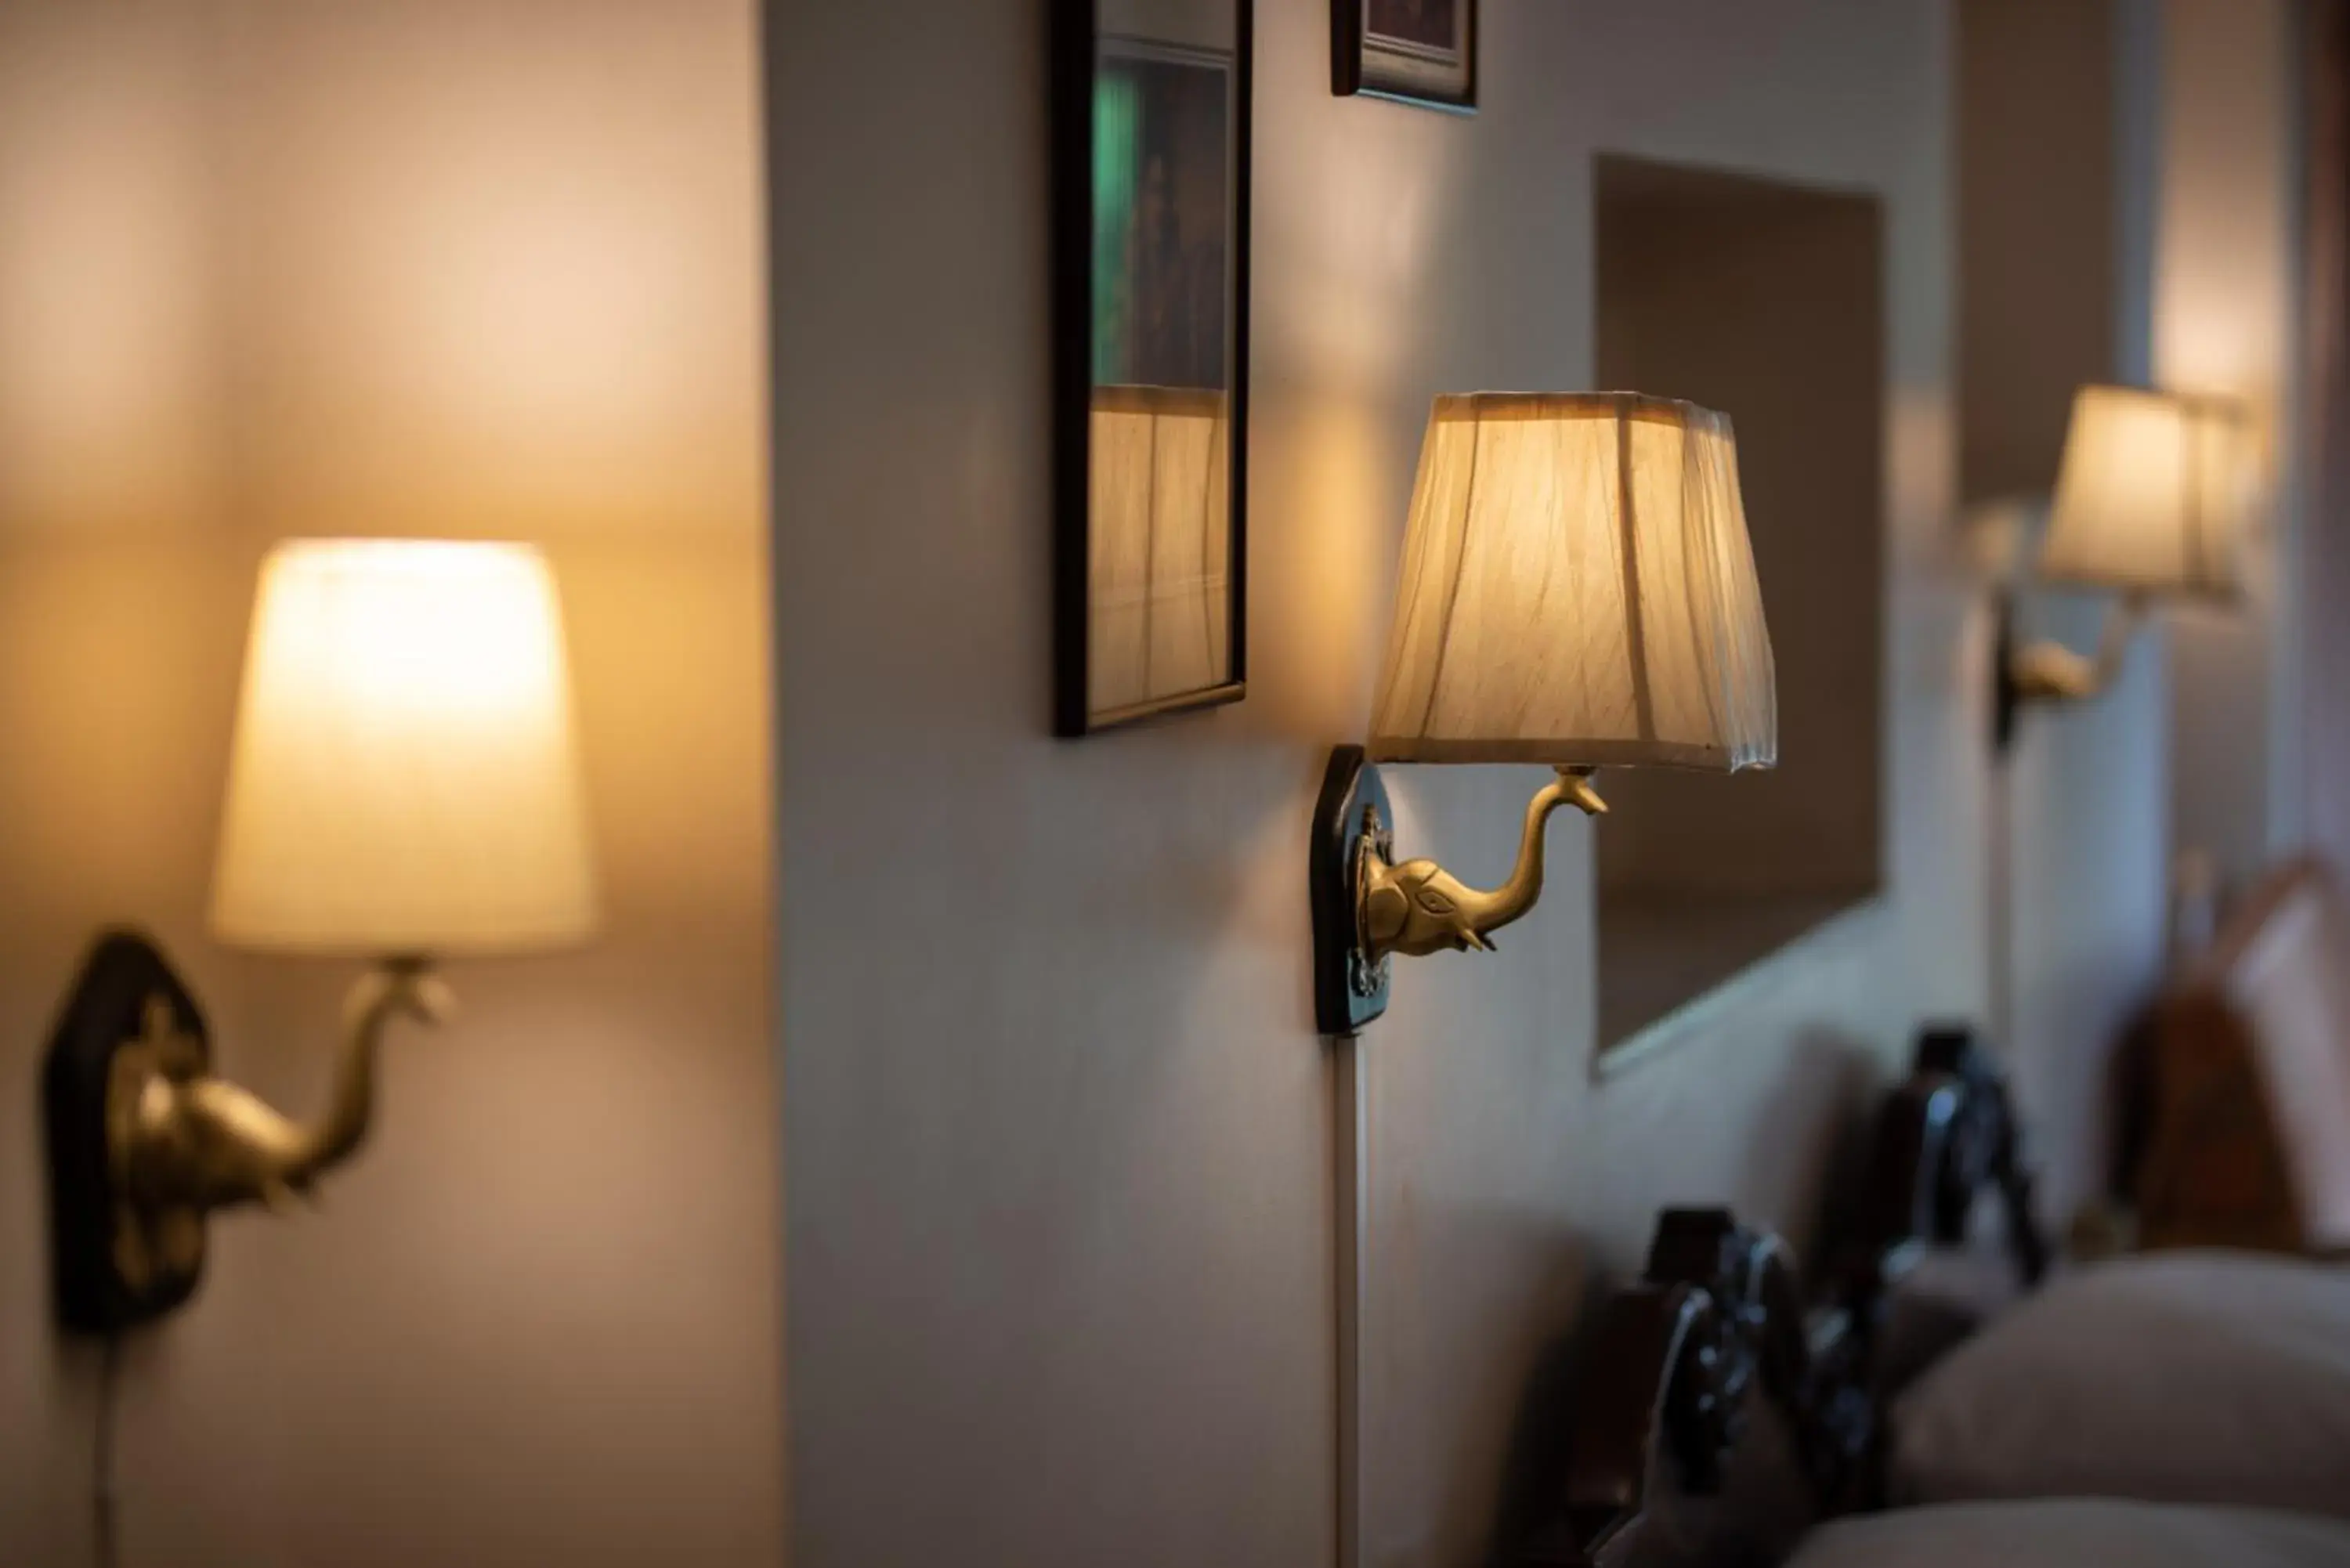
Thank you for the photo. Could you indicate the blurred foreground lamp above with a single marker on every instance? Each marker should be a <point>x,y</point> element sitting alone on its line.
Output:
<point>404,785</point>
<point>1578,589</point>
<point>2153,502</point>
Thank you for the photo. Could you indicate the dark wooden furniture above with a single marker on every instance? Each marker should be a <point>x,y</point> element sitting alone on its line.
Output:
<point>1722,1325</point>
<point>2236,1090</point>
<point>1945,1138</point>
<point>1674,1360</point>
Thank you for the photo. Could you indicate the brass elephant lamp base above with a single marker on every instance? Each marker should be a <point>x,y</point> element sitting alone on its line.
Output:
<point>1368,908</point>
<point>145,1142</point>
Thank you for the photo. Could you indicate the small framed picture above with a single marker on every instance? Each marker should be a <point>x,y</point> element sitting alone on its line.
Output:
<point>1415,51</point>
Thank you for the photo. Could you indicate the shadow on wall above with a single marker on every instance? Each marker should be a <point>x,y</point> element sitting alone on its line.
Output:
<point>1820,1110</point>
<point>1538,1448</point>
<point>1764,299</point>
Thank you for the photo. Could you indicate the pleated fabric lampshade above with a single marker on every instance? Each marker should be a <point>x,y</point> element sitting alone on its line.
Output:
<point>1161,545</point>
<point>1577,589</point>
<point>2156,494</point>
<point>404,780</point>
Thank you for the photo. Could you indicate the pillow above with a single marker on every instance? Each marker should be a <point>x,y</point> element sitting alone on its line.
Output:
<point>1941,1302</point>
<point>2202,1378</point>
<point>2075,1532</point>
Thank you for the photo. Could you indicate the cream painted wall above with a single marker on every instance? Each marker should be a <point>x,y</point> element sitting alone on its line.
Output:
<point>1058,1131</point>
<point>2227,301</point>
<point>437,266</point>
<point>2166,252</point>
<point>2058,257</point>
<point>2040,247</point>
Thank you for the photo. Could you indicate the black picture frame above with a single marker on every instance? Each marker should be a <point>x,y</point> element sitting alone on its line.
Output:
<point>1406,66</point>
<point>1075,49</point>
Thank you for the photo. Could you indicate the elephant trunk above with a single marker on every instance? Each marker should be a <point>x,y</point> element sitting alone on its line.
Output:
<point>1488,909</point>
<point>398,986</point>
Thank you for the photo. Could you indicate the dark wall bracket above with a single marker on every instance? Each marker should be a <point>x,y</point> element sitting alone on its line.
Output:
<point>1351,819</point>
<point>128,1021</point>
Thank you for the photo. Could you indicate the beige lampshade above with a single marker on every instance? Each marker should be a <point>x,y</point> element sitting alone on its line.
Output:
<point>1577,589</point>
<point>404,778</point>
<point>1160,528</point>
<point>2156,494</point>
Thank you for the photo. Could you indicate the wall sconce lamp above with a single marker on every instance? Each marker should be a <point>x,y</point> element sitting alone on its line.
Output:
<point>404,785</point>
<point>1577,589</point>
<point>2155,494</point>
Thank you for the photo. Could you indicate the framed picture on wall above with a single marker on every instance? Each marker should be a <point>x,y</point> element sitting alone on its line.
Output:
<point>1414,51</point>
<point>1150,381</point>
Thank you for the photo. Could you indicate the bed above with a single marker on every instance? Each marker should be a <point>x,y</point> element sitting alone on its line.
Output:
<point>2169,1411</point>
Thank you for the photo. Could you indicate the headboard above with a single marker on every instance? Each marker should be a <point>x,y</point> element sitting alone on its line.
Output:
<point>2235,1084</point>
<point>1722,1314</point>
<point>1671,1361</point>
<point>1946,1136</point>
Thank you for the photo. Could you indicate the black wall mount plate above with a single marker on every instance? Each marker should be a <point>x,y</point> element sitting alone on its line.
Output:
<point>1352,810</point>
<point>112,1273</point>
<point>2006,693</point>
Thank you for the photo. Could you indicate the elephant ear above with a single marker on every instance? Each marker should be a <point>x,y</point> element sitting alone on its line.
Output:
<point>1386,908</point>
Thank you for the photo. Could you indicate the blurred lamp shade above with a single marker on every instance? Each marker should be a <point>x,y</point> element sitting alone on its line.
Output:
<point>2155,496</point>
<point>1577,589</point>
<point>1161,545</point>
<point>404,778</point>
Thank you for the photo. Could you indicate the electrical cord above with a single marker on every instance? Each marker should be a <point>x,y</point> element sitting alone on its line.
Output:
<point>109,1379</point>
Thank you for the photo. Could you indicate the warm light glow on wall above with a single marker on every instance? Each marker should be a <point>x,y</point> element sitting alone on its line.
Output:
<point>108,408</point>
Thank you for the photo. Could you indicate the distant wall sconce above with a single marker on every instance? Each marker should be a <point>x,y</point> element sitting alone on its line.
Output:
<point>2155,495</point>
<point>404,785</point>
<point>1577,589</point>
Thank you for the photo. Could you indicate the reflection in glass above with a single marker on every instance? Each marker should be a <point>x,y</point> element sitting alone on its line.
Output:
<point>1162,214</point>
<point>1160,585</point>
<point>1433,26</point>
